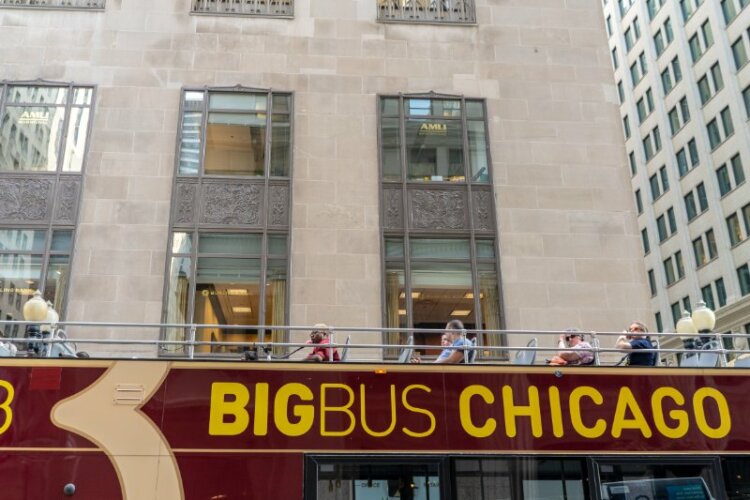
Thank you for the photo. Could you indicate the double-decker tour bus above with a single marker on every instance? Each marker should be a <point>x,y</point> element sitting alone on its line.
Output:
<point>178,429</point>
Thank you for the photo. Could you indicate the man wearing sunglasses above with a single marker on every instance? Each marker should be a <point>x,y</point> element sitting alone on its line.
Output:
<point>576,350</point>
<point>635,339</point>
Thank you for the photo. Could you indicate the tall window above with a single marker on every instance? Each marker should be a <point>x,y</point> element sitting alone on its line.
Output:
<point>437,208</point>
<point>228,254</point>
<point>44,130</point>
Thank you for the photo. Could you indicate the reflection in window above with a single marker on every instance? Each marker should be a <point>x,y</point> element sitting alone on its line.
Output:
<point>445,140</point>
<point>219,282</point>
<point>43,128</point>
<point>685,479</point>
<point>519,478</point>
<point>239,126</point>
<point>30,261</point>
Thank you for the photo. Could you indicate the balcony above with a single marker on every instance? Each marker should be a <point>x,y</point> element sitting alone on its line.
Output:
<point>270,8</point>
<point>427,11</point>
<point>55,4</point>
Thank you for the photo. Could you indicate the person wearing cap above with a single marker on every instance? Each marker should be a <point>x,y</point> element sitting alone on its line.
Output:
<point>319,338</point>
<point>576,351</point>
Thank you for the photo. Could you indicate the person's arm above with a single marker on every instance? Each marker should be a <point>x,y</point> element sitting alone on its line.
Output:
<point>456,357</point>
<point>623,343</point>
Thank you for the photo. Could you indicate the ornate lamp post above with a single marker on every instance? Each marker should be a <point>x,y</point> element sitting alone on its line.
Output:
<point>35,309</point>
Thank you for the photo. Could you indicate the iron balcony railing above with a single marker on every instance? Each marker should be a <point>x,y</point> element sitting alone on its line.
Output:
<point>274,8</point>
<point>355,344</point>
<point>55,4</point>
<point>427,11</point>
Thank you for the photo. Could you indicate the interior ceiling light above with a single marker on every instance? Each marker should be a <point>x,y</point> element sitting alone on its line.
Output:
<point>470,295</point>
<point>236,291</point>
<point>402,312</point>
<point>414,295</point>
<point>242,310</point>
<point>460,312</point>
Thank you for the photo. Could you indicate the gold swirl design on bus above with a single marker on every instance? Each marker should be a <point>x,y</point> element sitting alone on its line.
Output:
<point>145,465</point>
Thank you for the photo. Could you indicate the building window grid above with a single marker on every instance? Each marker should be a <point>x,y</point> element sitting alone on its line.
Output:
<point>739,52</point>
<point>638,69</point>
<point>692,209</point>
<point>424,11</point>
<point>710,83</point>
<point>721,292</point>
<point>652,7</point>
<point>651,144</point>
<point>720,128</point>
<point>679,115</point>
<point>666,225</point>
<point>701,41</point>
<point>663,37</point>
<point>729,175</point>
<point>704,248</point>
<point>652,282</point>
<point>94,5</point>
<point>672,75</point>
<point>687,158</point>
<point>730,9</point>
<point>689,7</point>
<point>743,276</point>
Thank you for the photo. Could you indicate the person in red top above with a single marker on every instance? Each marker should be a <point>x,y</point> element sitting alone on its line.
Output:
<point>319,338</point>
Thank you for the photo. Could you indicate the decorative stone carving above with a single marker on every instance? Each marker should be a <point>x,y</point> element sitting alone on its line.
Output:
<point>392,209</point>
<point>482,203</point>
<point>184,212</point>
<point>232,204</point>
<point>438,209</point>
<point>25,199</point>
<point>278,209</point>
<point>66,201</point>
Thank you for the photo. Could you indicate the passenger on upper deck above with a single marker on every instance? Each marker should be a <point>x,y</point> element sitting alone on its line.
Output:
<point>454,335</point>
<point>634,339</point>
<point>319,338</point>
<point>578,351</point>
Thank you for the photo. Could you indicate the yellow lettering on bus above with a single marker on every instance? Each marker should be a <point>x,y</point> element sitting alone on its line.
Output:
<point>325,409</point>
<point>464,411</point>
<point>305,413</point>
<point>725,419</point>
<point>260,415</point>
<point>626,401</point>
<point>555,412</point>
<point>678,416</point>
<point>600,426</point>
<point>416,409</point>
<point>363,411</point>
<point>512,411</point>
<point>221,408</point>
<point>5,405</point>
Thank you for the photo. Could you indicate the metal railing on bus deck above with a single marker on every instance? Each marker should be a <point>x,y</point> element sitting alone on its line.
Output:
<point>358,344</point>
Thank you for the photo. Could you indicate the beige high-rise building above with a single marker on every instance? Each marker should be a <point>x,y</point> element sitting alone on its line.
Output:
<point>684,87</point>
<point>368,163</point>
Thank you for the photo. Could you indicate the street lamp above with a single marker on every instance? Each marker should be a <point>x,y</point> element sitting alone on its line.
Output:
<point>35,309</point>
<point>702,320</point>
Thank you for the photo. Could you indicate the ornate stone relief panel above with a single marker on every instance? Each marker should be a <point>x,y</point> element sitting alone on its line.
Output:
<point>438,209</point>
<point>393,217</point>
<point>66,200</point>
<point>231,204</point>
<point>185,201</point>
<point>26,199</point>
<point>484,219</point>
<point>278,205</point>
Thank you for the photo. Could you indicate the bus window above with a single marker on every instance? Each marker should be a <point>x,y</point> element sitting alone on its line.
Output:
<point>519,478</point>
<point>662,480</point>
<point>736,477</point>
<point>372,478</point>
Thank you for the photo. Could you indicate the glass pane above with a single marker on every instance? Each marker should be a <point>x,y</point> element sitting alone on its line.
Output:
<point>390,144</point>
<point>389,106</point>
<point>435,150</point>
<point>277,245</point>
<point>75,143</point>
<point>658,480</point>
<point>276,300</point>
<point>280,146</point>
<point>62,241</point>
<point>236,144</point>
<point>443,295</point>
<point>190,143</point>
<point>37,95</point>
<point>178,299</point>
<point>440,249</point>
<point>21,277</point>
<point>377,480</point>
<point>182,243</point>
<point>478,152</point>
<point>394,247</point>
<point>56,284</point>
<point>31,138</point>
<point>485,249</point>
<point>22,240</point>
<point>227,293</point>
<point>229,243</point>
<point>281,103</point>
<point>239,102</point>
<point>82,96</point>
<point>474,109</point>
